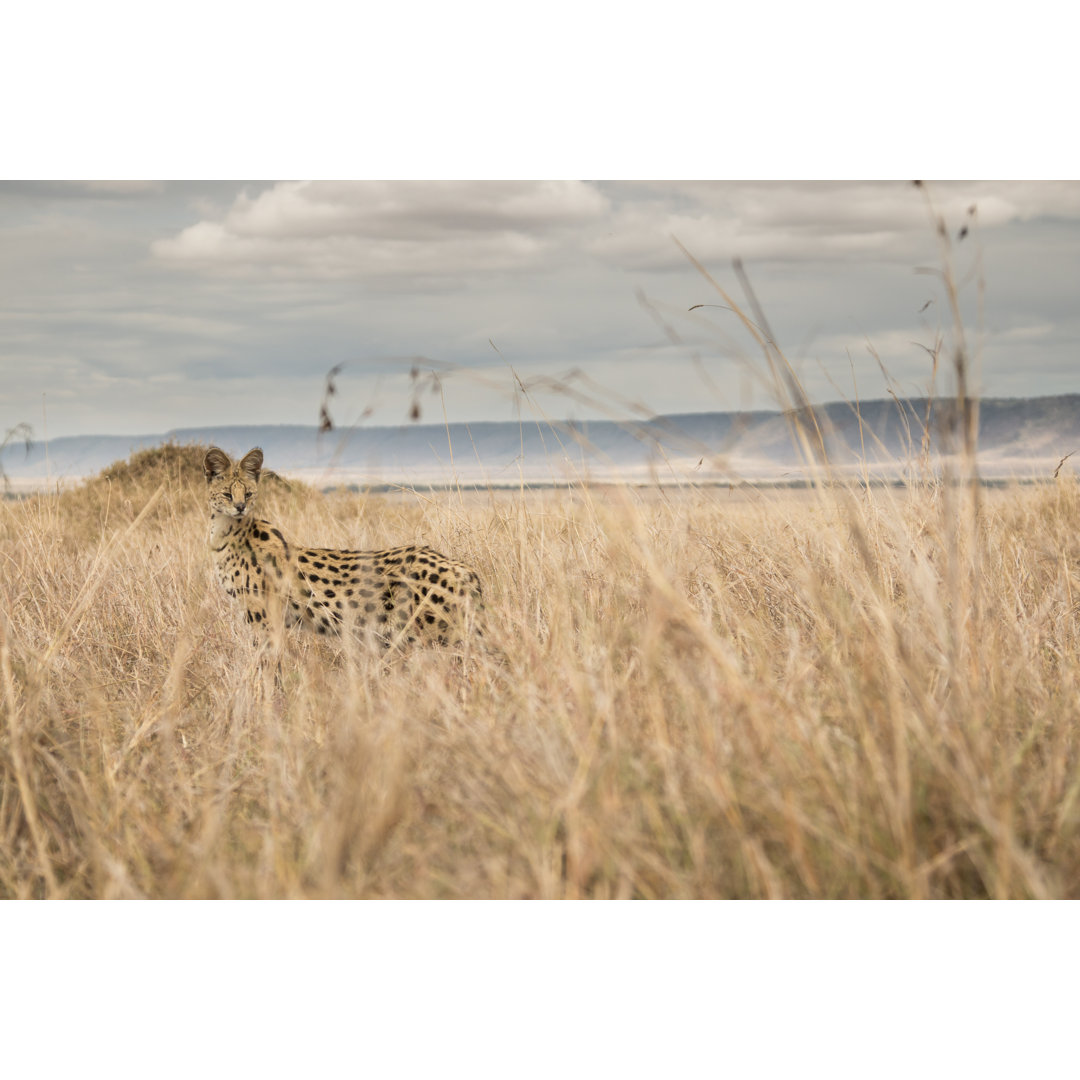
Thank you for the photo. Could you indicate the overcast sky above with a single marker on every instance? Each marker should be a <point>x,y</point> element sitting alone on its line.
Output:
<point>139,307</point>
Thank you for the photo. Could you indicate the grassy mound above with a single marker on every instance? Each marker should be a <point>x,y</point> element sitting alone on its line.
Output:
<point>170,475</point>
<point>157,465</point>
<point>168,463</point>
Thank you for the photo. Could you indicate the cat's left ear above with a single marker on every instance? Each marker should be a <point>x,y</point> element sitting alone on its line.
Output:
<point>252,462</point>
<point>215,463</point>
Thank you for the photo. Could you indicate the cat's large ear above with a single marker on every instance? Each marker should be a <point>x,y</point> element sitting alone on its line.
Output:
<point>215,463</point>
<point>252,462</point>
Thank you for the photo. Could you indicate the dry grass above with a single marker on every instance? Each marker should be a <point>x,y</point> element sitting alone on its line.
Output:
<point>843,693</point>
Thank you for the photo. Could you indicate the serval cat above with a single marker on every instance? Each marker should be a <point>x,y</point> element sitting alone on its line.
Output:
<point>398,596</point>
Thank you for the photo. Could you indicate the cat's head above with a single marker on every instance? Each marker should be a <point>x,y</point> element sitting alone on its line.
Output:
<point>232,486</point>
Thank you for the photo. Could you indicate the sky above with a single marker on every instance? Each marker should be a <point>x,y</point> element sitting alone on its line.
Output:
<point>137,307</point>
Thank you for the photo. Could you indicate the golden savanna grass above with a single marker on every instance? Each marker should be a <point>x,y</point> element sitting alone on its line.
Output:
<point>850,691</point>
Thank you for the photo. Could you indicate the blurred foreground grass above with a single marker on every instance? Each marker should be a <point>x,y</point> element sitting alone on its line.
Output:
<point>846,692</point>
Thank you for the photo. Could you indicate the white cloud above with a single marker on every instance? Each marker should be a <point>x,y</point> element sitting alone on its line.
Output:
<point>782,221</point>
<point>446,230</point>
<point>337,229</point>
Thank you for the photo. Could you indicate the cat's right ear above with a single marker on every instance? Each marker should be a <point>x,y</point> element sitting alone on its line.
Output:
<point>215,463</point>
<point>251,463</point>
